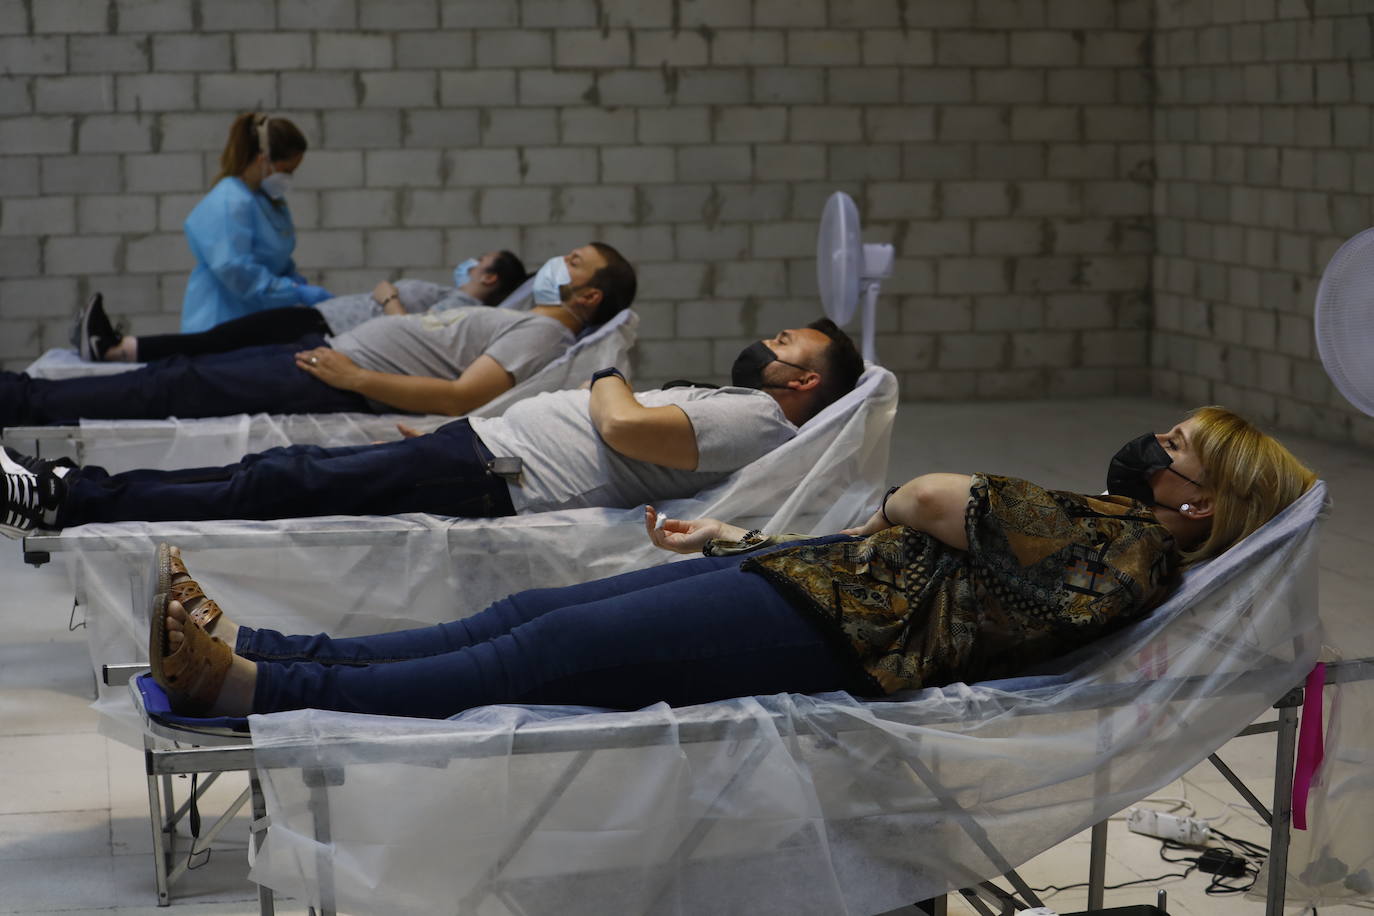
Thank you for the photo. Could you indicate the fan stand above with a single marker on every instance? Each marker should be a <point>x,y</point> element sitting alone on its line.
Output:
<point>877,267</point>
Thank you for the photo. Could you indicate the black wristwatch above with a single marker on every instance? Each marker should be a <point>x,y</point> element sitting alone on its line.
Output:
<point>602,373</point>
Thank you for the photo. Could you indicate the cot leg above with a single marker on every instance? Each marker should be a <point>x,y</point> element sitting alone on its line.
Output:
<point>1097,866</point>
<point>266,903</point>
<point>319,780</point>
<point>161,838</point>
<point>1283,811</point>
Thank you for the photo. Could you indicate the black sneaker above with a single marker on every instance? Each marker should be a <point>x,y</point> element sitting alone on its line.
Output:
<point>94,334</point>
<point>32,492</point>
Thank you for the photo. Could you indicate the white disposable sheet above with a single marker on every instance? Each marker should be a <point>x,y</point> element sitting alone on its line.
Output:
<point>122,445</point>
<point>784,804</point>
<point>353,576</point>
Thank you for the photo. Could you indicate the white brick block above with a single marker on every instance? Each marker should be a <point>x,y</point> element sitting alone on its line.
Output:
<point>115,134</point>
<point>591,48</point>
<point>671,48</point>
<point>827,123</point>
<point>939,85</point>
<point>790,161</point>
<point>237,92</point>
<point>330,169</point>
<point>322,249</point>
<point>678,203</point>
<point>399,89</point>
<point>796,239</point>
<point>936,238</point>
<point>352,51</point>
<point>108,54</point>
<point>715,163</point>
<point>14,95</point>
<point>714,86</point>
<point>13,17</point>
<point>826,47</point>
<point>513,48</point>
<point>790,14</point>
<point>972,49</point>
<point>172,209</point>
<point>73,94</point>
<point>1049,349</point>
<point>317,14</point>
<point>865,85</point>
<point>461,244</point>
<point>735,279</point>
<point>887,123</point>
<point>1017,85</point>
<point>440,209</point>
<point>442,128</point>
<point>789,85</point>
<point>63,16</point>
<point>37,216</point>
<point>477,167</point>
<point>239,16</point>
<point>116,213</point>
<point>438,49</point>
<point>155,92</point>
<point>364,209</point>
<point>477,88</point>
<point>80,174</point>
<point>602,204</point>
<point>160,172</point>
<point>89,254</point>
<point>866,162</point>
<point>520,127</point>
<point>1116,123</point>
<point>554,166</point>
<point>555,87</point>
<point>905,47</point>
<point>634,87</point>
<point>748,47</point>
<point>394,15</point>
<point>1009,160</point>
<point>598,126</point>
<point>900,200</point>
<point>1048,198</point>
<point>516,206</point>
<point>973,122</point>
<point>1008,237</point>
<point>1045,122</point>
<point>156,253</point>
<point>404,247</point>
<point>641,243</point>
<point>713,14</point>
<point>1045,49</point>
<point>936,313</point>
<point>638,164</point>
<point>155,16</point>
<point>697,242</point>
<point>677,125</point>
<point>34,298</point>
<point>362,129</point>
<point>191,52</point>
<point>20,256</point>
<point>545,14</point>
<point>972,351</point>
<point>403,168</point>
<point>554,239</point>
<point>273,51</point>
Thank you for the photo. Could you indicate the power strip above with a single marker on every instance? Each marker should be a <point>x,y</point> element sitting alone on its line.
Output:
<point>1186,830</point>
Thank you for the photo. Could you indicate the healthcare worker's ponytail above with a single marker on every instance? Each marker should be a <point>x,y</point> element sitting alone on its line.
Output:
<point>284,141</point>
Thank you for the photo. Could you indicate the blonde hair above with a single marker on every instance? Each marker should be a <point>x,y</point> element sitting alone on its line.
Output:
<point>1251,475</point>
<point>250,134</point>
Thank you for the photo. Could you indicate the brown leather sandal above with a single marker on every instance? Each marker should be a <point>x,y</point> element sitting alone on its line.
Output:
<point>195,672</point>
<point>202,608</point>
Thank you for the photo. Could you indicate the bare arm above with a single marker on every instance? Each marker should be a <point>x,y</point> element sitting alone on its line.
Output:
<point>933,503</point>
<point>658,435</point>
<point>388,297</point>
<point>478,384</point>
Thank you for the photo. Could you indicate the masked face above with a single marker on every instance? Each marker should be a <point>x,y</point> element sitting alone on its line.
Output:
<point>550,280</point>
<point>276,185</point>
<point>463,272</point>
<point>1133,466</point>
<point>747,372</point>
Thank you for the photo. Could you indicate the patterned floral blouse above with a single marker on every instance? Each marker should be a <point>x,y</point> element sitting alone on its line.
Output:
<point>1045,572</point>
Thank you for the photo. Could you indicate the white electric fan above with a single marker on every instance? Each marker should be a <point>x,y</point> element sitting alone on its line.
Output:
<point>847,269</point>
<point>1344,320</point>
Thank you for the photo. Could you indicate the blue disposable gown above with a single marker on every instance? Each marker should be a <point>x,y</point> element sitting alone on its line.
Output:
<point>242,243</point>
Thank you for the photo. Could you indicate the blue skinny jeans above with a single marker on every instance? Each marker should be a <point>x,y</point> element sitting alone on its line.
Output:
<point>684,633</point>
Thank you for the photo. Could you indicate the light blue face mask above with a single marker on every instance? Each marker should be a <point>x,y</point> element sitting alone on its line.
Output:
<point>463,272</point>
<point>550,279</point>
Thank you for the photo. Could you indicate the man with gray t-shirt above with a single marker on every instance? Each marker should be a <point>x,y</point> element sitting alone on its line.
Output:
<point>446,362</point>
<point>604,446</point>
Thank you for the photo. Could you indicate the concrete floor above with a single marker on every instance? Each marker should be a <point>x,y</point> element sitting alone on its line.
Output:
<point>74,834</point>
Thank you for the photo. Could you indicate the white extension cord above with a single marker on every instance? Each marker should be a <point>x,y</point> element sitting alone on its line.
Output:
<point>1189,831</point>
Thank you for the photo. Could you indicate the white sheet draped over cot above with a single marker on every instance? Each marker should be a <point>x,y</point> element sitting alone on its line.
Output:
<point>787,804</point>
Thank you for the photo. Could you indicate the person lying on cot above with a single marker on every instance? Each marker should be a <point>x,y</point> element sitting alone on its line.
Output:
<point>602,446</point>
<point>486,280</point>
<point>955,577</point>
<point>445,362</point>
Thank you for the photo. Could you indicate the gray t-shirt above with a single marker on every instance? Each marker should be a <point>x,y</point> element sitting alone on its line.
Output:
<point>344,313</point>
<point>441,344</point>
<point>568,465</point>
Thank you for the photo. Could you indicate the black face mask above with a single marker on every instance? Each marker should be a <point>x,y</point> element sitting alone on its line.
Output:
<point>1134,464</point>
<point>747,372</point>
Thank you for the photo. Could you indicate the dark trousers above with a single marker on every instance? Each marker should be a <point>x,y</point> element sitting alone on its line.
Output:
<point>444,473</point>
<point>684,633</point>
<point>271,326</point>
<point>250,380</point>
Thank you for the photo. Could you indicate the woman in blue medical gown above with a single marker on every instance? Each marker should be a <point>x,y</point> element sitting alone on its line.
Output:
<point>241,232</point>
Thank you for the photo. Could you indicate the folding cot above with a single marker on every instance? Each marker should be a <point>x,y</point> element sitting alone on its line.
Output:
<point>361,575</point>
<point>121,445</point>
<point>784,804</point>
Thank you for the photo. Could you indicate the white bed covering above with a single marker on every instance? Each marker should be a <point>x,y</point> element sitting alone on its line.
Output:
<point>353,576</point>
<point>122,445</point>
<point>787,804</point>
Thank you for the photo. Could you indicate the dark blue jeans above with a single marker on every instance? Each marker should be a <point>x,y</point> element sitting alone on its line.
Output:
<point>684,633</point>
<point>444,473</point>
<point>250,380</point>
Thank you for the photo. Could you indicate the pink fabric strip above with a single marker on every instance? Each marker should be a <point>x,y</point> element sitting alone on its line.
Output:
<point>1310,748</point>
